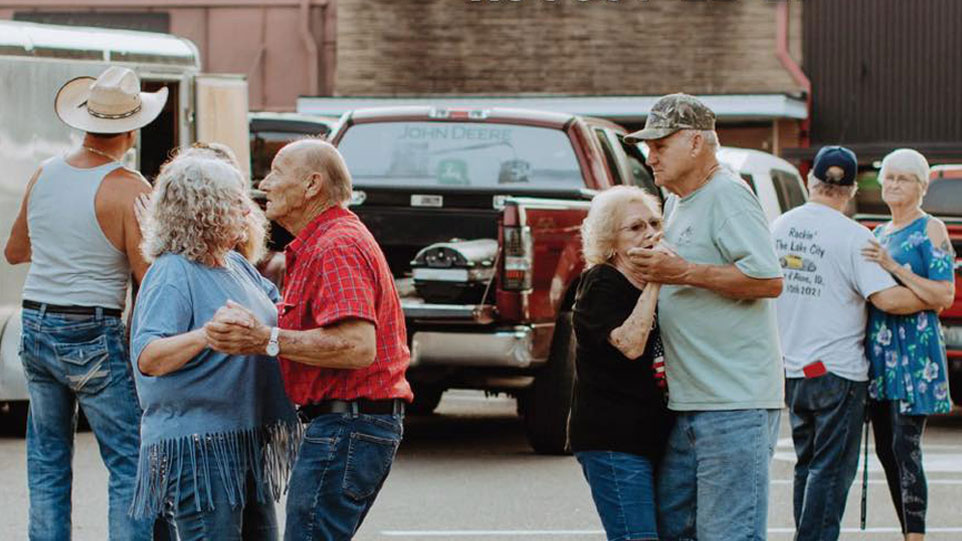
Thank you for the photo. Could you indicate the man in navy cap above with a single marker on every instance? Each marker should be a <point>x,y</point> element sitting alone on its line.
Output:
<point>821,321</point>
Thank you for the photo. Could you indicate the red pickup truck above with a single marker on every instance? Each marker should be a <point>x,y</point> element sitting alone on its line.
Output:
<point>478,213</point>
<point>944,200</point>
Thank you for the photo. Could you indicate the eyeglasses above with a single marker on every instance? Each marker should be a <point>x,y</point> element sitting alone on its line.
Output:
<point>641,225</point>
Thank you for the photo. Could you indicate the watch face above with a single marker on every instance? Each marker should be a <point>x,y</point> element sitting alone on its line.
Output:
<point>273,349</point>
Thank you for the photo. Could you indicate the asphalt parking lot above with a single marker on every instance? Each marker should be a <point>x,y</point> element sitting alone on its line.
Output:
<point>466,473</point>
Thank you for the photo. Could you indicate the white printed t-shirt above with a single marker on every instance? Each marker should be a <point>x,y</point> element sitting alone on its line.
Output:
<point>822,311</point>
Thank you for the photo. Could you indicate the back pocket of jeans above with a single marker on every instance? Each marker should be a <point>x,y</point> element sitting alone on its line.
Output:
<point>86,365</point>
<point>368,463</point>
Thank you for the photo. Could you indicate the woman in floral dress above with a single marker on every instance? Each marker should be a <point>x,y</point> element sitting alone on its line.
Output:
<point>908,379</point>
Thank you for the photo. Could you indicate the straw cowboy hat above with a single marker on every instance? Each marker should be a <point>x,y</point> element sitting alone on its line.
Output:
<point>111,103</point>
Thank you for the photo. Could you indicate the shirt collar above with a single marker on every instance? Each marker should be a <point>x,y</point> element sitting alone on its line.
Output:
<point>296,246</point>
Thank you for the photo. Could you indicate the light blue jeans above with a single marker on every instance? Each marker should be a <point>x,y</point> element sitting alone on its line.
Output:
<point>69,359</point>
<point>713,480</point>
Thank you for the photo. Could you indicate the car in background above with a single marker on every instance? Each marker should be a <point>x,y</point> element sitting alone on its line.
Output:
<point>270,131</point>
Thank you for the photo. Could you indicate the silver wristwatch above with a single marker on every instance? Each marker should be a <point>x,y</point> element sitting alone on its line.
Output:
<point>273,348</point>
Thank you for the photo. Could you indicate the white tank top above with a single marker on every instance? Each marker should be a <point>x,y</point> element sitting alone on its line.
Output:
<point>72,263</point>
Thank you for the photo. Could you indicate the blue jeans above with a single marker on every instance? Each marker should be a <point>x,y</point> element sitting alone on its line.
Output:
<point>69,359</point>
<point>827,413</point>
<point>340,468</point>
<point>713,480</point>
<point>214,516</point>
<point>623,488</point>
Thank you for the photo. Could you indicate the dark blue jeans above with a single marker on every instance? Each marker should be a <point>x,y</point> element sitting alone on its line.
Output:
<point>340,468</point>
<point>827,413</point>
<point>623,488</point>
<point>69,359</point>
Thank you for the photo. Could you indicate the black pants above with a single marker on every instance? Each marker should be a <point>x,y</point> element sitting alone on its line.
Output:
<point>898,445</point>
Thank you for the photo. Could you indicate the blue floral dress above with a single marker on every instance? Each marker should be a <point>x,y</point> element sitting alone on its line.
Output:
<point>907,353</point>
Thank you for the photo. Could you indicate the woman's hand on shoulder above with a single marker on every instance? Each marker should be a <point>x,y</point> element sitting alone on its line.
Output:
<point>873,251</point>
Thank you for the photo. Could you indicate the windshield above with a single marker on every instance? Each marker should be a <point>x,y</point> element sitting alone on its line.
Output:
<point>460,154</point>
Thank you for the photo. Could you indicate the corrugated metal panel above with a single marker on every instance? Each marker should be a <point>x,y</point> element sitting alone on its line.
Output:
<point>885,73</point>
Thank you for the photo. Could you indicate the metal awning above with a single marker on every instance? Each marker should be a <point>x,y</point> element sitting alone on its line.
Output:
<point>627,109</point>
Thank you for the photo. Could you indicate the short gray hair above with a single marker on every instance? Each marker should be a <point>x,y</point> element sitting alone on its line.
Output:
<point>909,161</point>
<point>196,210</point>
<point>600,228</point>
<point>828,189</point>
<point>319,156</point>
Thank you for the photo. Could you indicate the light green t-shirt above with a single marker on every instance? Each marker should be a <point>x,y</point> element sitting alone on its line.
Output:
<point>720,353</point>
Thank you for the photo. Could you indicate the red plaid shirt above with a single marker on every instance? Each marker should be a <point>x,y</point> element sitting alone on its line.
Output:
<point>335,271</point>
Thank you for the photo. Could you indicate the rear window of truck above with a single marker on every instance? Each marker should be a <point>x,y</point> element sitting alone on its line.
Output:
<point>477,155</point>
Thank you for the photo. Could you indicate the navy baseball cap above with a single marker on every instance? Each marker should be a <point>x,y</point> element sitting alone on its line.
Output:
<point>836,156</point>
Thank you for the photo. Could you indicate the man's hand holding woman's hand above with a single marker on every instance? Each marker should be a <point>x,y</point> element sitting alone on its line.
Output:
<point>235,330</point>
<point>658,263</point>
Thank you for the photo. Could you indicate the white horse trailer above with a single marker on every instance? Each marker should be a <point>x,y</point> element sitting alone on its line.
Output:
<point>35,60</point>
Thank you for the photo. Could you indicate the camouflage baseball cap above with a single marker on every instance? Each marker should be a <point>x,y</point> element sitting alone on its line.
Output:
<point>672,113</point>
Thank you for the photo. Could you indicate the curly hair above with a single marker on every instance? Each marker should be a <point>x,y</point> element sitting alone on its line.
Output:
<point>197,210</point>
<point>253,246</point>
<point>600,228</point>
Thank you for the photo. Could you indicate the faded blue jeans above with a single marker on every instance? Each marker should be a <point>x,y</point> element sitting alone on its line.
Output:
<point>69,359</point>
<point>340,468</point>
<point>827,413</point>
<point>623,489</point>
<point>713,480</point>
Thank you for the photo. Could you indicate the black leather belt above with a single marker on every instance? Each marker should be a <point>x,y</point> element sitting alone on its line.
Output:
<point>308,412</point>
<point>71,310</point>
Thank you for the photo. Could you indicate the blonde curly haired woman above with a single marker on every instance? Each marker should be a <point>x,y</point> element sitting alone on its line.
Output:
<point>619,421</point>
<point>218,434</point>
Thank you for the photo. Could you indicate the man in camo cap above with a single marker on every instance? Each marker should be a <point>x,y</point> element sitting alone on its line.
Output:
<point>719,273</point>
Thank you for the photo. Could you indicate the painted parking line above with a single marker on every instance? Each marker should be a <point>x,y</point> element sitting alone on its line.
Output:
<point>879,481</point>
<point>563,533</point>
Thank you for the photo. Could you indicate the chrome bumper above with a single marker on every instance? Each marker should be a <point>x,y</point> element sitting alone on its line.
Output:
<point>511,348</point>
<point>415,308</point>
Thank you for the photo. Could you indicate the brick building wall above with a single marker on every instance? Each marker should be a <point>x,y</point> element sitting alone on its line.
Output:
<point>391,47</point>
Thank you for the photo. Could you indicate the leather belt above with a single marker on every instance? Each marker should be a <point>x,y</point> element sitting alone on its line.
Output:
<point>394,406</point>
<point>72,310</point>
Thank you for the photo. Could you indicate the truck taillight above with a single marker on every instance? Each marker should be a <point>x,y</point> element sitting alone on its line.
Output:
<point>517,259</point>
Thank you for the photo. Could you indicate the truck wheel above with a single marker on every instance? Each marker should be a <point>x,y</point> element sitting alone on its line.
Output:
<point>955,385</point>
<point>14,418</point>
<point>426,398</point>
<point>547,403</point>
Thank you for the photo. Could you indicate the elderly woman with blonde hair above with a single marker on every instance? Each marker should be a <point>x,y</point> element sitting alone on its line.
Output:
<point>619,421</point>
<point>907,358</point>
<point>218,434</point>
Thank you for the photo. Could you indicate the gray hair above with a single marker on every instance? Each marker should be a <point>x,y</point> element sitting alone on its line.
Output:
<point>319,156</point>
<point>711,139</point>
<point>254,244</point>
<point>828,189</point>
<point>600,228</point>
<point>196,210</point>
<point>909,161</point>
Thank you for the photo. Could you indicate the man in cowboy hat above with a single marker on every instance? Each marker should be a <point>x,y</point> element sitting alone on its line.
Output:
<point>77,228</point>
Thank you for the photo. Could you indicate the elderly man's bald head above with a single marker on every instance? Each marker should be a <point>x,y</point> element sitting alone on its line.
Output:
<point>310,156</point>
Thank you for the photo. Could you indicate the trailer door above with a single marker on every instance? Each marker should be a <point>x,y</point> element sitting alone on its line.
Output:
<point>221,114</point>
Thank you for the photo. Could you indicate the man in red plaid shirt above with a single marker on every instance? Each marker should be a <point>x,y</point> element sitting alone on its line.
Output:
<point>341,341</point>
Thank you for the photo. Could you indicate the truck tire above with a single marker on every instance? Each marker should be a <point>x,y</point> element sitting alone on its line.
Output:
<point>13,416</point>
<point>427,396</point>
<point>547,403</point>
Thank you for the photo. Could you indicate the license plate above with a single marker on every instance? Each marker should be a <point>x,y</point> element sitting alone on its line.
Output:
<point>418,200</point>
<point>953,337</point>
